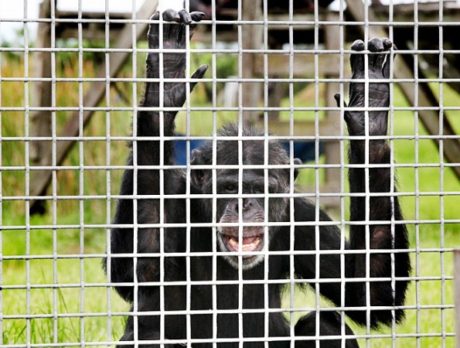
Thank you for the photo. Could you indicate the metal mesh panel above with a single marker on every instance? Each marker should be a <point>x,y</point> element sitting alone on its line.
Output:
<point>71,81</point>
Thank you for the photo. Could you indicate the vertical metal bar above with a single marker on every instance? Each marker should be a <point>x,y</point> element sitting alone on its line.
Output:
<point>27,172</point>
<point>416,178</point>
<point>266,177</point>
<point>366,4</point>
<point>457,295</point>
<point>135,311</point>
<point>1,195</point>
<point>81,171</point>
<point>291,177</point>
<point>241,121</point>
<point>188,248</point>
<point>342,175</point>
<point>317,183</point>
<point>441,172</point>
<point>392,174</point>
<point>161,187</point>
<point>108,177</point>
<point>54,182</point>
<point>214,172</point>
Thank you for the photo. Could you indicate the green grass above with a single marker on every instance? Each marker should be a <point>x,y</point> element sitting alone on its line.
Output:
<point>70,298</point>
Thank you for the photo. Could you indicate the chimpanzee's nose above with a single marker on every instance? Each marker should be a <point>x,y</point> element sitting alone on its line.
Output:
<point>233,206</point>
<point>248,204</point>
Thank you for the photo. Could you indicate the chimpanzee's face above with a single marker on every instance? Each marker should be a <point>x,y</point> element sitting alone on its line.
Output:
<point>243,219</point>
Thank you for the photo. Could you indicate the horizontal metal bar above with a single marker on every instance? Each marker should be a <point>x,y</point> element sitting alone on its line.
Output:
<point>180,137</point>
<point>217,109</point>
<point>285,281</point>
<point>202,224</point>
<point>253,79</point>
<point>238,22</point>
<point>220,311</point>
<point>224,253</point>
<point>223,50</point>
<point>14,168</point>
<point>228,196</point>
<point>231,340</point>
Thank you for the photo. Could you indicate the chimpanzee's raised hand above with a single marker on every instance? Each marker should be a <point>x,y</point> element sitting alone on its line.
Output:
<point>370,180</point>
<point>174,37</point>
<point>379,93</point>
<point>149,153</point>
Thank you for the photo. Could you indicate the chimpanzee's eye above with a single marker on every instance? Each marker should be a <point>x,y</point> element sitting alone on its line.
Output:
<point>231,188</point>
<point>259,190</point>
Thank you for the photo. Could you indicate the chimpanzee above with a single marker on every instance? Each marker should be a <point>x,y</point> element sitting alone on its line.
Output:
<point>190,273</point>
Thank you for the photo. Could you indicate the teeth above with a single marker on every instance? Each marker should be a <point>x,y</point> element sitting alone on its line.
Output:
<point>249,243</point>
<point>251,246</point>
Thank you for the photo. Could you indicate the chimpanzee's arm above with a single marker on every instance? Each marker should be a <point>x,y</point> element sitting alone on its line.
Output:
<point>148,151</point>
<point>379,208</point>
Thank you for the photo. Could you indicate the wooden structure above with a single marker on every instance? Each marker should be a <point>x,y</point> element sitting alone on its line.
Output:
<point>252,36</point>
<point>41,122</point>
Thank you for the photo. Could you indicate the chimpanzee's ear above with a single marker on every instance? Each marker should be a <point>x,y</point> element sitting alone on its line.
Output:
<point>297,161</point>
<point>197,175</point>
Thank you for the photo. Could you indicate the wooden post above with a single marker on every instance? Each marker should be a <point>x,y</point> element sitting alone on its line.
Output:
<point>276,92</point>
<point>332,120</point>
<point>41,120</point>
<point>426,97</point>
<point>252,39</point>
<point>40,150</point>
<point>457,295</point>
<point>93,97</point>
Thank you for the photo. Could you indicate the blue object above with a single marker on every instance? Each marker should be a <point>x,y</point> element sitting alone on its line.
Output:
<point>180,148</point>
<point>305,150</point>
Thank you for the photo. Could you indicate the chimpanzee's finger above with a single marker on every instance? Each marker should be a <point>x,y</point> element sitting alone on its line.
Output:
<point>152,34</point>
<point>338,100</point>
<point>357,59</point>
<point>387,44</point>
<point>197,16</point>
<point>198,75</point>
<point>376,59</point>
<point>386,67</point>
<point>156,16</point>
<point>178,93</point>
<point>171,16</point>
<point>185,17</point>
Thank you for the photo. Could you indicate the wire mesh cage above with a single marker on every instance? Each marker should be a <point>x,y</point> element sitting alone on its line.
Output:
<point>270,181</point>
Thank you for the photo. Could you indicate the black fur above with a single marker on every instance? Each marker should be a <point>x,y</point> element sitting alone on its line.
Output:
<point>150,239</point>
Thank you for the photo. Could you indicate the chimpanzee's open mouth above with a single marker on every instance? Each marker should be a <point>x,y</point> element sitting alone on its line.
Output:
<point>247,243</point>
<point>251,240</point>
